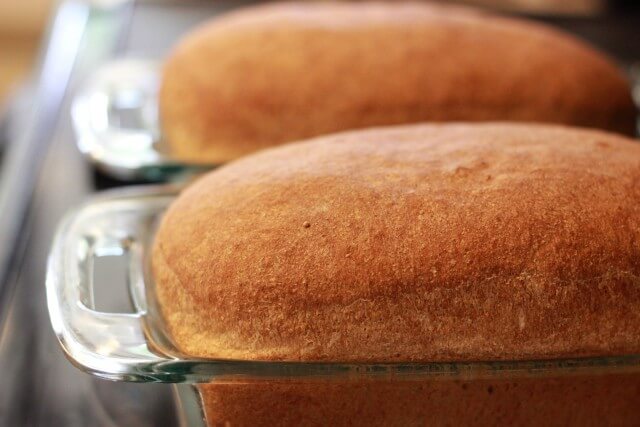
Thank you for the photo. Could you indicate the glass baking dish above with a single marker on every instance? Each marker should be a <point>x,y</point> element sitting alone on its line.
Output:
<point>115,119</point>
<point>118,128</point>
<point>135,347</point>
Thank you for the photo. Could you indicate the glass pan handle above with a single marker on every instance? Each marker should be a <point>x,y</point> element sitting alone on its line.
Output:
<point>110,345</point>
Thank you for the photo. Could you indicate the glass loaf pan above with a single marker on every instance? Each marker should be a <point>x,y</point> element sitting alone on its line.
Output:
<point>115,119</point>
<point>117,125</point>
<point>135,347</point>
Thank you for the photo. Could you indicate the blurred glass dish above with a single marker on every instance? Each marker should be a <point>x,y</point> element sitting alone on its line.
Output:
<point>136,347</point>
<point>115,117</point>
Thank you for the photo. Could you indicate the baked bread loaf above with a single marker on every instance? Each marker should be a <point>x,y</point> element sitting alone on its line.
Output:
<point>415,243</point>
<point>276,73</point>
<point>563,401</point>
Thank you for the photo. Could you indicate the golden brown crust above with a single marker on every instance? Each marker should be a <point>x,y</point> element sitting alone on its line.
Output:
<point>585,400</point>
<point>281,72</point>
<point>415,243</point>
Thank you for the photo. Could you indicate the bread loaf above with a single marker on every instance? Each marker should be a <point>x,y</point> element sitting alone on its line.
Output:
<point>414,243</point>
<point>276,73</point>
<point>563,401</point>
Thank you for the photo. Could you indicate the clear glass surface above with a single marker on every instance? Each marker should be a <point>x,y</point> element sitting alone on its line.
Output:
<point>189,405</point>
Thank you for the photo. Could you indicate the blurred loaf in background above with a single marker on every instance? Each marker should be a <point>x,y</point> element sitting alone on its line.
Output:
<point>270,74</point>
